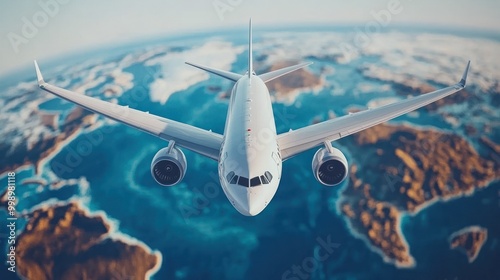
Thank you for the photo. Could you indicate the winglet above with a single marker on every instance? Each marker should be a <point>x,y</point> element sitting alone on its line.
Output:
<point>39,76</point>
<point>463,81</point>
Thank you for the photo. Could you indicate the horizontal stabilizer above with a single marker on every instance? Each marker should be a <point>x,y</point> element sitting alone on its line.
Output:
<point>225,74</point>
<point>283,71</point>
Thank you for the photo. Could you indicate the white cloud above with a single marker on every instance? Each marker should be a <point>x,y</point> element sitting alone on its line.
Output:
<point>176,76</point>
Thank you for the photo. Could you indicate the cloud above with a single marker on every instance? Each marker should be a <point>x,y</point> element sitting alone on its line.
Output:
<point>175,76</point>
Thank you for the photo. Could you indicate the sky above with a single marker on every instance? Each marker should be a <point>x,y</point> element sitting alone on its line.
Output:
<point>46,29</point>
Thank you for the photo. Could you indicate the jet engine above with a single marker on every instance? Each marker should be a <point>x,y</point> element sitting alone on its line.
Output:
<point>329,166</point>
<point>169,165</point>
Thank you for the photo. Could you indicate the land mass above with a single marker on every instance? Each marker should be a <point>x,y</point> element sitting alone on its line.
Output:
<point>404,170</point>
<point>35,153</point>
<point>469,240</point>
<point>63,242</point>
<point>287,87</point>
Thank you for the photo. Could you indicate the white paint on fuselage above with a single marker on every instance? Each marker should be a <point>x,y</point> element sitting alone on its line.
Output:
<point>250,147</point>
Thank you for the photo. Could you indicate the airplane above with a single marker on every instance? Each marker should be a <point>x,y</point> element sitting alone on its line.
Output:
<point>250,153</point>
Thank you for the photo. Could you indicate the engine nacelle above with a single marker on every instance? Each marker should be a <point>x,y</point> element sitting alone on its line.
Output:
<point>329,166</point>
<point>168,166</point>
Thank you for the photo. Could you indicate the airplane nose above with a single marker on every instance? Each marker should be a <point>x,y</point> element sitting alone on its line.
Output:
<point>251,208</point>
<point>246,202</point>
<point>254,211</point>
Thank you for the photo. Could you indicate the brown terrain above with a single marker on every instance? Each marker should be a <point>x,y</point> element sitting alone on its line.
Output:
<point>33,155</point>
<point>63,242</point>
<point>284,88</point>
<point>292,83</point>
<point>404,169</point>
<point>470,240</point>
<point>495,148</point>
<point>377,221</point>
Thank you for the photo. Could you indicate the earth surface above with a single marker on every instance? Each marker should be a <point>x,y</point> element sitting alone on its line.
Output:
<point>422,200</point>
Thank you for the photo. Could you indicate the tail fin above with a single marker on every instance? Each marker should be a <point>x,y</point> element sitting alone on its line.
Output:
<point>250,58</point>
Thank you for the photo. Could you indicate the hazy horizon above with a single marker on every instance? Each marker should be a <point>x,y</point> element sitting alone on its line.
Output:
<point>48,29</point>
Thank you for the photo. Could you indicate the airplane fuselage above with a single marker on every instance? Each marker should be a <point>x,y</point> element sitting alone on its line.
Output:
<point>250,161</point>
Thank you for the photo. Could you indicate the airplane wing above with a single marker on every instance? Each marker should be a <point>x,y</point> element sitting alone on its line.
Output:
<point>297,141</point>
<point>204,142</point>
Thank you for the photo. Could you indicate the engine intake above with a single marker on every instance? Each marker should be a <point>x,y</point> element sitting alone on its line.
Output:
<point>168,166</point>
<point>329,166</point>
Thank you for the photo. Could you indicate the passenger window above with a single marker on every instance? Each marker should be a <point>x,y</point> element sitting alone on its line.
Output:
<point>269,176</point>
<point>243,181</point>
<point>230,176</point>
<point>264,179</point>
<point>255,181</point>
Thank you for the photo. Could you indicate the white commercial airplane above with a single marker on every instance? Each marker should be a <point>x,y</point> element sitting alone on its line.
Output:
<point>250,153</point>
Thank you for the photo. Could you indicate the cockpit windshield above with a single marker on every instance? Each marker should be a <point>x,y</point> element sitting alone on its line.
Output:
<point>234,179</point>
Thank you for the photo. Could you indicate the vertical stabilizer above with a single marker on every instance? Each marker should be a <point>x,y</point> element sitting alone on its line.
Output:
<point>250,58</point>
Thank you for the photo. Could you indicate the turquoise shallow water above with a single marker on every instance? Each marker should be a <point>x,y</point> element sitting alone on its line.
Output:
<point>215,241</point>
